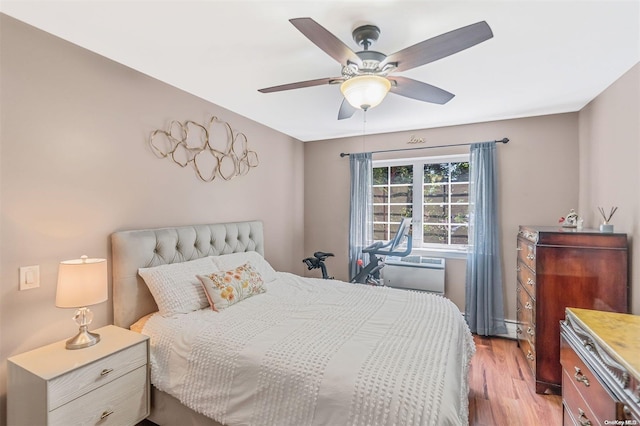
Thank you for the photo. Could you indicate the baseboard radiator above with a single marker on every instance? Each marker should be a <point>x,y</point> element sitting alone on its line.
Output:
<point>415,273</point>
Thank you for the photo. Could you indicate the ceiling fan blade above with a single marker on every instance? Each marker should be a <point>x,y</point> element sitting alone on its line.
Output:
<point>300,84</point>
<point>326,41</point>
<point>415,89</point>
<point>346,110</point>
<point>440,46</point>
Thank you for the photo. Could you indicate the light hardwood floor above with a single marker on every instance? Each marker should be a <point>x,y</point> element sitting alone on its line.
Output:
<point>502,388</point>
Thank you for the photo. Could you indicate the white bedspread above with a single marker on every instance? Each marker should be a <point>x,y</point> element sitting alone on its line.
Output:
<point>318,352</point>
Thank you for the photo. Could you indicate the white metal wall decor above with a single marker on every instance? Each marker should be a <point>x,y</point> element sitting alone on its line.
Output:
<point>213,149</point>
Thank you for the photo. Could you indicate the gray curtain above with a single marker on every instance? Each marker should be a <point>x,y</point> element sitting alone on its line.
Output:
<point>484,309</point>
<point>361,210</point>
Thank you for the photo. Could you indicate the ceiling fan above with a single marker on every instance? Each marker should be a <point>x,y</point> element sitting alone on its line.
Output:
<point>365,78</point>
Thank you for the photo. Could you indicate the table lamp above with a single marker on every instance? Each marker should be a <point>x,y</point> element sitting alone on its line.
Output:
<point>81,283</point>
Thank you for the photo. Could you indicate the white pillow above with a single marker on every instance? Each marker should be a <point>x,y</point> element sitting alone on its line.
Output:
<point>233,260</point>
<point>175,286</point>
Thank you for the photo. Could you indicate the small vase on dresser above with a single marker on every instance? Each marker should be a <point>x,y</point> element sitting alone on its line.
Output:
<point>559,268</point>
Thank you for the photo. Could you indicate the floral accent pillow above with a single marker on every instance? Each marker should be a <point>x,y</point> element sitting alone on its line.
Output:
<point>230,261</point>
<point>226,288</point>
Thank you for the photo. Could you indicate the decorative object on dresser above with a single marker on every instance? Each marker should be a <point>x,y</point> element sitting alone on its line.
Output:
<point>81,283</point>
<point>193,143</point>
<point>600,368</point>
<point>105,384</point>
<point>571,220</point>
<point>606,226</point>
<point>559,268</point>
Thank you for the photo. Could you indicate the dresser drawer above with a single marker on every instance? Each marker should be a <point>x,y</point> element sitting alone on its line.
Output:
<point>529,353</point>
<point>120,402</point>
<point>527,278</point>
<point>579,379</point>
<point>576,410</point>
<point>527,254</point>
<point>75,383</point>
<point>526,316</point>
<point>525,329</point>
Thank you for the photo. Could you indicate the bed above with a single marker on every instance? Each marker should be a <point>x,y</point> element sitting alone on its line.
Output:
<point>299,351</point>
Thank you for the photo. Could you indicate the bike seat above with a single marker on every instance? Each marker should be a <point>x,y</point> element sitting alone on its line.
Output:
<point>322,255</point>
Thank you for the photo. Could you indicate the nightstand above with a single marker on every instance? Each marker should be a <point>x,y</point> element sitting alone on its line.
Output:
<point>106,384</point>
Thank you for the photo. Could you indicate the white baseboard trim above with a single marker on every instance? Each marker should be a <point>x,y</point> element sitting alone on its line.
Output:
<point>511,329</point>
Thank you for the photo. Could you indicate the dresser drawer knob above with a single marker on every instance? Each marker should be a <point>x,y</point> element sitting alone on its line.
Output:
<point>106,414</point>
<point>530,331</point>
<point>583,419</point>
<point>528,305</point>
<point>106,371</point>
<point>530,281</point>
<point>581,377</point>
<point>530,356</point>
<point>530,256</point>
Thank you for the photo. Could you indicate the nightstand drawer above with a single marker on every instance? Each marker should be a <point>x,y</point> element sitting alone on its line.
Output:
<point>75,383</point>
<point>54,385</point>
<point>122,401</point>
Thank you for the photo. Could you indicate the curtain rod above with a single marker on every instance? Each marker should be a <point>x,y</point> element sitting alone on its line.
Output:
<point>503,140</point>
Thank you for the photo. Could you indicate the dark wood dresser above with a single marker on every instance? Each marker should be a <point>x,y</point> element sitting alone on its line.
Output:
<point>600,356</point>
<point>559,268</point>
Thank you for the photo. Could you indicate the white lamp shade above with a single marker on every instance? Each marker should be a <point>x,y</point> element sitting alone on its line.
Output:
<point>81,282</point>
<point>365,91</point>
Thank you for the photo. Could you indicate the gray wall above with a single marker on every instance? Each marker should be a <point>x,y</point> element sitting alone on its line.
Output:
<point>76,166</point>
<point>610,164</point>
<point>538,183</point>
<point>552,163</point>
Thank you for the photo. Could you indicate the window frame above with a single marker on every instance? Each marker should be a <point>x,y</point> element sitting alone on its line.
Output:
<point>417,163</point>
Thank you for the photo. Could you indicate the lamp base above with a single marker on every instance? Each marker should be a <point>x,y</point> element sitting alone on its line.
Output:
<point>83,339</point>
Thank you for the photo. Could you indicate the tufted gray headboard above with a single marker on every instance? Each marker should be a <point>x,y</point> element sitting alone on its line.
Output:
<point>151,247</point>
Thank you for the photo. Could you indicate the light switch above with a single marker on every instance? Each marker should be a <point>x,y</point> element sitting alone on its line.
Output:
<point>29,277</point>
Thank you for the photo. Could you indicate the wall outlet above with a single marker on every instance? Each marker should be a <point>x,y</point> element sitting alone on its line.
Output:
<point>29,277</point>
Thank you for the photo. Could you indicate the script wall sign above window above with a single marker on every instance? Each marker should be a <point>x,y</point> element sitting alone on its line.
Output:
<point>212,149</point>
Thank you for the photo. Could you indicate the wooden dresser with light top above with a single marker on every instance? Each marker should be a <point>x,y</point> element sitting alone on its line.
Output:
<point>105,384</point>
<point>558,268</point>
<point>600,356</point>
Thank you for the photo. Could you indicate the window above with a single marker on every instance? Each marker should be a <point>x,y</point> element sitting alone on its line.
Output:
<point>434,190</point>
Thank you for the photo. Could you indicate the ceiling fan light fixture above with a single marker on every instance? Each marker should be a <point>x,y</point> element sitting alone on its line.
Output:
<point>365,91</point>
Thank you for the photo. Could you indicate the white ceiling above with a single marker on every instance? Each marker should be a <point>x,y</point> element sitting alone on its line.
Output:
<point>545,57</point>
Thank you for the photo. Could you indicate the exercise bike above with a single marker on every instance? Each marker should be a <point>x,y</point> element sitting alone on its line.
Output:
<point>370,274</point>
<point>317,261</point>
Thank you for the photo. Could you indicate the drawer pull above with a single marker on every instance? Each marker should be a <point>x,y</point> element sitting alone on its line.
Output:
<point>530,356</point>
<point>581,377</point>
<point>106,371</point>
<point>530,331</point>
<point>530,281</point>
<point>530,256</point>
<point>583,419</point>
<point>528,305</point>
<point>106,414</point>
